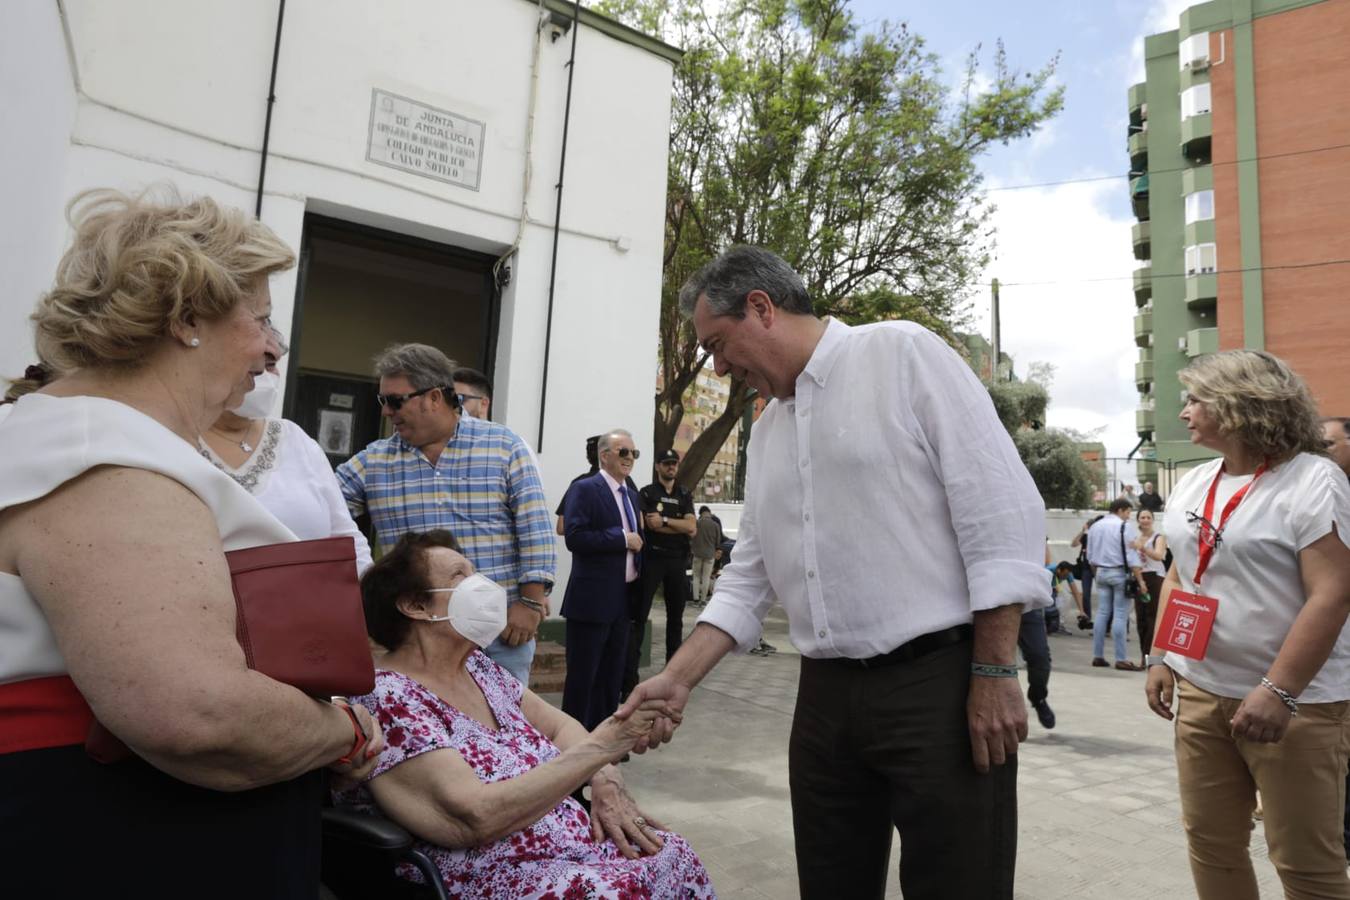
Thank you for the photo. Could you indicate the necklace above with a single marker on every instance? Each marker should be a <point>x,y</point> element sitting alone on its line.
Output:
<point>242,442</point>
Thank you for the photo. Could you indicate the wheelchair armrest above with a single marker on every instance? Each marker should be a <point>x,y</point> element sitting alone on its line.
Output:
<point>365,830</point>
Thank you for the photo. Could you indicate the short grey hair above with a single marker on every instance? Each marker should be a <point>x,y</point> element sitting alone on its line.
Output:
<point>604,442</point>
<point>424,366</point>
<point>727,280</point>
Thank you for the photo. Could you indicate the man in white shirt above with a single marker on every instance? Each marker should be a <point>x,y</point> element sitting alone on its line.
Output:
<point>1114,561</point>
<point>1337,433</point>
<point>888,513</point>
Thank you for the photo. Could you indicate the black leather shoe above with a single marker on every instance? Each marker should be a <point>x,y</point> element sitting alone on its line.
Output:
<point>1045,714</point>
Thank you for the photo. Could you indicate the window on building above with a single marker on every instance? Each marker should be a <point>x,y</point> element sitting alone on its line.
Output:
<point>1194,51</point>
<point>1195,101</point>
<point>1199,206</point>
<point>1201,259</point>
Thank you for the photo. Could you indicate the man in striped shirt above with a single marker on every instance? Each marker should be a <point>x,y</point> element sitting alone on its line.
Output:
<point>474,478</point>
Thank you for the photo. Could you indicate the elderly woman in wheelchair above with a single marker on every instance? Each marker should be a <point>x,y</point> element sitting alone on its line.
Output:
<point>480,770</point>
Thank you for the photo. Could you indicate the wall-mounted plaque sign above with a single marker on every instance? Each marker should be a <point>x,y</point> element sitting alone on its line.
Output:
<point>423,140</point>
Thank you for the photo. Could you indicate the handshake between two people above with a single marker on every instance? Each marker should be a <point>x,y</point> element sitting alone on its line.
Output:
<point>654,709</point>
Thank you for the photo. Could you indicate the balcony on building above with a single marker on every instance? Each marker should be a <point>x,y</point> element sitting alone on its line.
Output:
<point>1196,134</point>
<point>1143,421</point>
<point>1138,103</point>
<point>1143,284</point>
<point>1200,341</point>
<point>1202,291</point>
<point>1143,374</point>
<point>1139,197</point>
<point>1146,464</point>
<point>1139,234</point>
<point>1138,145</point>
<point>1143,328</point>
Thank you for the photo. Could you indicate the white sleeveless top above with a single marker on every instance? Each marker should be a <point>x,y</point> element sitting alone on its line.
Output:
<point>1149,563</point>
<point>45,442</point>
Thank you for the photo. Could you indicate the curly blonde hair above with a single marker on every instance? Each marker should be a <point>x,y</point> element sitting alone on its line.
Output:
<point>1255,397</point>
<point>140,263</point>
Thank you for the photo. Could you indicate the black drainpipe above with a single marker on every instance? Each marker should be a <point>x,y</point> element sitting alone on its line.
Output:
<point>557,222</point>
<point>271,99</point>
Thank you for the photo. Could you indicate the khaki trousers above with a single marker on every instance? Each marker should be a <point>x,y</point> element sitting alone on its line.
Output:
<point>1302,785</point>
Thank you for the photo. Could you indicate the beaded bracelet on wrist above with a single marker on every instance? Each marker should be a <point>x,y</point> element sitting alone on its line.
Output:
<point>1285,697</point>
<point>990,670</point>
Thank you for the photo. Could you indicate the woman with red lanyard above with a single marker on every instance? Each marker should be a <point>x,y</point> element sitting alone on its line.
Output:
<point>1249,631</point>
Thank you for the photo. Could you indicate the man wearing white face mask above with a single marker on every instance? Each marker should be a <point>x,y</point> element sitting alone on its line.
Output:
<point>280,465</point>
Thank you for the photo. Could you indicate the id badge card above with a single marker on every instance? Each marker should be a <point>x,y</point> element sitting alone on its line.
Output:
<point>1186,624</point>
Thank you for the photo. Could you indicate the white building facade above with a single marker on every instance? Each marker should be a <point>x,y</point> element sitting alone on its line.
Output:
<point>401,140</point>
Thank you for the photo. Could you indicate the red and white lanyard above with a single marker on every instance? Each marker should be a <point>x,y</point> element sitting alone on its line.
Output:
<point>1207,548</point>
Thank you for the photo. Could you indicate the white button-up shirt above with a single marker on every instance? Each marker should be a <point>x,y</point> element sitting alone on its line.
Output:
<point>883,501</point>
<point>630,571</point>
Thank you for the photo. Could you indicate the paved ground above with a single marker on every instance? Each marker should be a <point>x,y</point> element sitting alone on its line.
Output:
<point>1099,815</point>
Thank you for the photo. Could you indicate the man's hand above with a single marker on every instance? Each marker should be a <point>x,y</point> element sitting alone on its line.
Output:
<point>653,520</point>
<point>633,542</point>
<point>998,720</point>
<point>521,624</point>
<point>1262,717</point>
<point>674,695</point>
<point>616,816</point>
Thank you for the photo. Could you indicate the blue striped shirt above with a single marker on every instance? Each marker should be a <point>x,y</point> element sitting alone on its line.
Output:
<point>484,489</point>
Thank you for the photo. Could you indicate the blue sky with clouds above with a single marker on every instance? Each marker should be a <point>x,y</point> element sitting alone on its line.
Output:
<point>1072,235</point>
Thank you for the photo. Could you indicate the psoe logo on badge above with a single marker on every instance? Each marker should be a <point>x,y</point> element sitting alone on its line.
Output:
<point>1181,638</point>
<point>1186,622</point>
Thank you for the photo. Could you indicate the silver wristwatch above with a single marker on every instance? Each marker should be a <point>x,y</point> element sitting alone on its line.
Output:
<point>1151,661</point>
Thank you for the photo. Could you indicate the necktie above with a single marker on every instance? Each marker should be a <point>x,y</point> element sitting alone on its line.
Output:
<point>628,510</point>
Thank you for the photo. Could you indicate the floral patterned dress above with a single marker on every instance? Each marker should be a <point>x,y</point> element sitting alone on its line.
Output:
<point>555,858</point>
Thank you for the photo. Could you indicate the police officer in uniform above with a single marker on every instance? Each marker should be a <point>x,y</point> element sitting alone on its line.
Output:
<point>669,513</point>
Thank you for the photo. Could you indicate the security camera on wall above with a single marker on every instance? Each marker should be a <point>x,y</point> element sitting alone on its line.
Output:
<point>557,25</point>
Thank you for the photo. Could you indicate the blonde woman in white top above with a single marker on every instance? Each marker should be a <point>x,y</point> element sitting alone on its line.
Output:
<point>115,594</point>
<point>1263,531</point>
<point>280,465</point>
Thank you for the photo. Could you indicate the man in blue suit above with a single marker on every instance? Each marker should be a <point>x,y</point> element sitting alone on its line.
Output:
<point>603,529</point>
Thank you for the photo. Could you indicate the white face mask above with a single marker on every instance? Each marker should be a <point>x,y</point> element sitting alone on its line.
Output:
<point>259,402</point>
<point>477,609</point>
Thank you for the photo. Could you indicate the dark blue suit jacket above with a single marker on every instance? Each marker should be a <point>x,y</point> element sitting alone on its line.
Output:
<point>596,591</point>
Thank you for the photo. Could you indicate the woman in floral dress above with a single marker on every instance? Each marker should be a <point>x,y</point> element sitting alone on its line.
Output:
<point>481,770</point>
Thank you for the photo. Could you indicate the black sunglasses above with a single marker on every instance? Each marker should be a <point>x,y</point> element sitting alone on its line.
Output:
<point>625,453</point>
<point>1209,534</point>
<point>395,401</point>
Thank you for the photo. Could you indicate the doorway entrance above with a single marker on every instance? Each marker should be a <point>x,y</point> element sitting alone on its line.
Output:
<point>360,289</point>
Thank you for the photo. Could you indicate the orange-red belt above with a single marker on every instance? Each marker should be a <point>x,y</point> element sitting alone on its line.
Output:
<point>42,712</point>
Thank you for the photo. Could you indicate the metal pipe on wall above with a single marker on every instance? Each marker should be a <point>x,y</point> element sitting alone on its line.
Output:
<point>557,222</point>
<point>271,101</point>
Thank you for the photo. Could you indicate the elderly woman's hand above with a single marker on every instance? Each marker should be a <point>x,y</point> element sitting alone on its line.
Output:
<point>618,736</point>
<point>348,775</point>
<point>615,815</point>
<point>1262,717</point>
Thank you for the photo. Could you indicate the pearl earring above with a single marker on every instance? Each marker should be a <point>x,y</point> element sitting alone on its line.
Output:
<point>195,342</point>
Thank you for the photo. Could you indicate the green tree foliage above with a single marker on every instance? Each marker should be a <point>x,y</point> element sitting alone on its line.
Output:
<point>1056,465</point>
<point>840,148</point>
<point>1019,404</point>
<point>1052,456</point>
